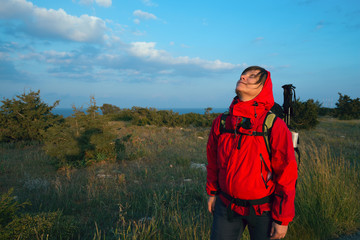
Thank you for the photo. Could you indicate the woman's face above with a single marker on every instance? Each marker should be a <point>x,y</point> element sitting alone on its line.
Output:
<point>246,87</point>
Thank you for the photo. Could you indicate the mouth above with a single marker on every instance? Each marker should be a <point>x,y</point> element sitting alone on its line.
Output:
<point>240,82</point>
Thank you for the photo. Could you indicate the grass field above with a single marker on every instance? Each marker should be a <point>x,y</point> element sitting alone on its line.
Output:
<point>158,190</point>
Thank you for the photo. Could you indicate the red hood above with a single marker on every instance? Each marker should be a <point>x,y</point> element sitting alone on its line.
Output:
<point>265,101</point>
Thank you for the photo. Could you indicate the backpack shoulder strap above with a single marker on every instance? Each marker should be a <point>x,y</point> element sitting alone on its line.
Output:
<point>267,127</point>
<point>223,122</point>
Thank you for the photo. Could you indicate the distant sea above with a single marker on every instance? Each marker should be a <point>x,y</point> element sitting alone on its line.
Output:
<point>66,112</point>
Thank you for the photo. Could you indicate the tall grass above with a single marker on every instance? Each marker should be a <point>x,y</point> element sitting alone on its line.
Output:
<point>327,201</point>
<point>154,192</point>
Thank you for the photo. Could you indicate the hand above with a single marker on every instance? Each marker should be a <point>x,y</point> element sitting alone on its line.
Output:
<point>278,231</point>
<point>211,203</point>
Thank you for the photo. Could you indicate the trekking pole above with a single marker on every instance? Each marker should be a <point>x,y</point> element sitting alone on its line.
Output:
<point>288,117</point>
<point>288,102</point>
<point>289,89</point>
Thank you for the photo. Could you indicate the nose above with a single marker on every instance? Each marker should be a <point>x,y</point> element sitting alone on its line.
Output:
<point>243,78</point>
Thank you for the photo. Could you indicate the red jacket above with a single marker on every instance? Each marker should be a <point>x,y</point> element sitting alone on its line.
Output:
<point>240,165</point>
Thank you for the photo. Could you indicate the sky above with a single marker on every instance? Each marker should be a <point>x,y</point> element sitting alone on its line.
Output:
<point>176,54</point>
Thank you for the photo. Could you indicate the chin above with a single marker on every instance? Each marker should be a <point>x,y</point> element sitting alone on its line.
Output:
<point>240,90</point>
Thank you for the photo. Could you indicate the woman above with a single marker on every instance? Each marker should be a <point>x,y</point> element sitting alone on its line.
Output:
<point>247,184</point>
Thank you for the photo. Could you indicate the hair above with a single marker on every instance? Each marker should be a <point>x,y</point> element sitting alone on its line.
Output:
<point>262,74</point>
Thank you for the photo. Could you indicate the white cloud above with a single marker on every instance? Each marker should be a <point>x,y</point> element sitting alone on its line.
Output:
<point>149,3</point>
<point>51,57</point>
<point>147,52</point>
<point>141,60</point>
<point>144,15</point>
<point>104,3</point>
<point>139,33</point>
<point>15,9</point>
<point>136,21</point>
<point>58,23</point>
<point>166,72</point>
<point>86,2</point>
<point>50,23</point>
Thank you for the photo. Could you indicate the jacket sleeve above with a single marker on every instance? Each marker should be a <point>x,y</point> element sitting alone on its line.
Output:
<point>284,168</point>
<point>212,167</point>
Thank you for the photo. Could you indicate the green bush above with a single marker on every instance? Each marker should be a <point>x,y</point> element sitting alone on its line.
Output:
<point>150,116</point>
<point>109,109</point>
<point>26,117</point>
<point>14,225</point>
<point>324,111</point>
<point>38,226</point>
<point>305,114</point>
<point>81,139</point>
<point>347,108</point>
<point>9,208</point>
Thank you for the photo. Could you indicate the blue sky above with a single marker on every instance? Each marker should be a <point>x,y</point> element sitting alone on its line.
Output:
<point>176,54</point>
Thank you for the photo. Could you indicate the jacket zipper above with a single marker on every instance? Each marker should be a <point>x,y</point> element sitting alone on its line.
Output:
<point>239,142</point>
<point>263,162</point>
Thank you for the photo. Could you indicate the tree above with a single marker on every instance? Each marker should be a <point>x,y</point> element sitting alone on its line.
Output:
<point>305,114</point>
<point>26,117</point>
<point>109,109</point>
<point>208,110</point>
<point>347,108</point>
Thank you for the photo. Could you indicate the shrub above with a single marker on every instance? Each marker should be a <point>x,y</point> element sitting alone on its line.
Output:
<point>81,139</point>
<point>9,208</point>
<point>324,111</point>
<point>305,114</point>
<point>109,109</point>
<point>26,117</point>
<point>14,225</point>
<point>347,108</point>
<point>150,116</point>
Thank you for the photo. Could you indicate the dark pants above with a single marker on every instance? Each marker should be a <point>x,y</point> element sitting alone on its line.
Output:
<point>223,229</point>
